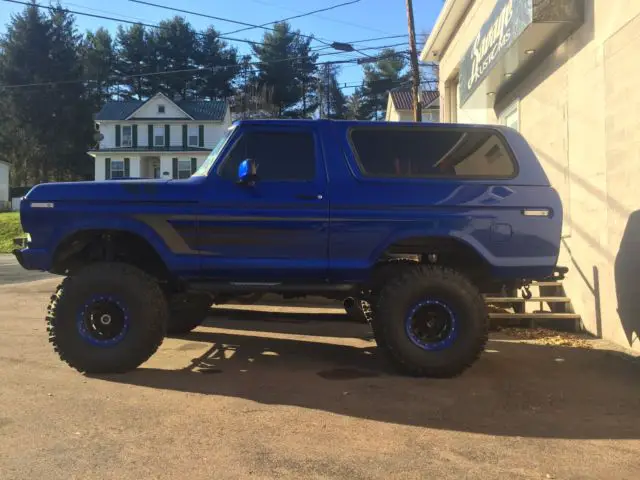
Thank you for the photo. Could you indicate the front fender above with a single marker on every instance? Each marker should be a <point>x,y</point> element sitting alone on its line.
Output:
<point>131,225</point>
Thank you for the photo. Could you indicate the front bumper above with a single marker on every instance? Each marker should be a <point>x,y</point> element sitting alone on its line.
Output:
<point>33,259</point>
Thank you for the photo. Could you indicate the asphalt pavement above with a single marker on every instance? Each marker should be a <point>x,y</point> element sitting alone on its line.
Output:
<point>11,272</point>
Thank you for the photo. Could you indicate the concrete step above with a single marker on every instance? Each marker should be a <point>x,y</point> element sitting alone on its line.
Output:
<point>535,315</point>
<point>547,284</point>
<point>523,300</point>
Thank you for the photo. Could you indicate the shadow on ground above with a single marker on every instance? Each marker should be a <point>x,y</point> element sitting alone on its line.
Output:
<point>516,389</point>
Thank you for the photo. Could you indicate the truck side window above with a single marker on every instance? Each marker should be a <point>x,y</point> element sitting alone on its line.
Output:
<point>424,152</point>
<point>281,156</point>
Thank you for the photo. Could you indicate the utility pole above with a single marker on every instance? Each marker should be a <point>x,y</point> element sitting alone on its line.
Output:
<point>415,73</point>
<point>327,73</point>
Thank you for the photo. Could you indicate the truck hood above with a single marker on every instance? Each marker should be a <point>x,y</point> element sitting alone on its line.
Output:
<point>115,190</point>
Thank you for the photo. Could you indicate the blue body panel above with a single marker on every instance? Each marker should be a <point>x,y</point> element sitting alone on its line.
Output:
<point>332,229</point>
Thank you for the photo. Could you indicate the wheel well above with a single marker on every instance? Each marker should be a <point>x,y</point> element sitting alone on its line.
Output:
<point>446,251</point>
<point>88,246</point>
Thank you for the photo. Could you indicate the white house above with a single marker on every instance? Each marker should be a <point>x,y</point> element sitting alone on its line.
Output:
<point>400,106</point>
<point>4,184</point>
<point>157,138</point>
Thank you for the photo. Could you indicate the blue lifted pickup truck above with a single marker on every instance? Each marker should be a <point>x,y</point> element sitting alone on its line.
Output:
<point>418,221</point>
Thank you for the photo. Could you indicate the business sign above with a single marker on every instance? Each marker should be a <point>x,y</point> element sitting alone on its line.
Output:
<point>507,21</point>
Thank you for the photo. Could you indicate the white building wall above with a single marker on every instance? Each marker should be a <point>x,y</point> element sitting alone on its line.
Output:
<point>176,135</point>
<point>150,109</point>
<point>166,166</point>
<point>108,130</point>
<point>99,169</point>
<point>143,135</point>
<point>134,166</point>
<point>213,132</point>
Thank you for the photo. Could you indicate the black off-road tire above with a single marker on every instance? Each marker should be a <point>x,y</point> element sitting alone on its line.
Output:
<point>360,310</point>
<point>146,310</point>
<point>186,315</point>
<point>443,286</point>
<point>382,274</point>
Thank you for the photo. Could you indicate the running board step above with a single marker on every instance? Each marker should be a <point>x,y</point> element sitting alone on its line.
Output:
<point>523,300</point>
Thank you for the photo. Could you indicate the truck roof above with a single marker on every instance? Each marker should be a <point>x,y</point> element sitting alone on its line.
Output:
<point>373,123</point>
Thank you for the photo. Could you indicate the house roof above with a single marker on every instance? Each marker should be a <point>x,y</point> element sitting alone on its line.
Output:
<point>198,109</point>
<point>403,100</point>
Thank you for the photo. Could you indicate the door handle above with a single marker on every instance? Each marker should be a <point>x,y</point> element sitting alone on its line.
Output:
<point>309,197</point>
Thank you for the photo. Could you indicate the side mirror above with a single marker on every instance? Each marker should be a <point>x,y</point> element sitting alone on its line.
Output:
<point>248,172</point>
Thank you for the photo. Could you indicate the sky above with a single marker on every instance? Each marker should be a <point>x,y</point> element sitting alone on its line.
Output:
<point>366,19</point>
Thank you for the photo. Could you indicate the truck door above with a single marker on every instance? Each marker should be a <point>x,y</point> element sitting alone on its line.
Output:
<point>276,229</point>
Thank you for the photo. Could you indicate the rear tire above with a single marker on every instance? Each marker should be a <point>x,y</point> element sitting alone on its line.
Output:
<point>188,314</point>
<point>433,322</point>
<point>107,318</point>
<point>382,274</point>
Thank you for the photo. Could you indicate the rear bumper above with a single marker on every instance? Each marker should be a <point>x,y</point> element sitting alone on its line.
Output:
<point>33,259</point>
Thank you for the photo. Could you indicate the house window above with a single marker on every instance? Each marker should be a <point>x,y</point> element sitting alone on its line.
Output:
<point>184,168</point>
<point>158,136</point>
<point>193,136</point>
<point>511,116</point>
<point>160,108</point>
<point>117,168</point>
<point>127,136</point>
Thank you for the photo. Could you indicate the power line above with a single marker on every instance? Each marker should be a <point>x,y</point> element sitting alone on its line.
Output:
<point>222,19</point>
<point>353,60</point>
<point>344,22</point>
<point>121,20</point>
<point>302,14</point>
<point>169,72</point>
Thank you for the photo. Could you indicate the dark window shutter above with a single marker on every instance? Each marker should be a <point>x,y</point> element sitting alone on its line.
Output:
<point>107,168</point>
<point>150,136</point>
<point>127,169</point>
<point>194,165</point>
<point>117,135</point>
<point>184,137</point>
<point>134,136</point>
<point>175,168</point>
<point>167,136</point>
<point>201,135</point>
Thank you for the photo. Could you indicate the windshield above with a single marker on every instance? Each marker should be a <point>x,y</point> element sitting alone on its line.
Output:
<point>206,166</point>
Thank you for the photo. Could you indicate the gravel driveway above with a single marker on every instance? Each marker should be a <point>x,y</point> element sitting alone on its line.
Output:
<point>261,394</point>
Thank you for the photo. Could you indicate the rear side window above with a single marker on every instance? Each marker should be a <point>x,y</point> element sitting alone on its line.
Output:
<point>280,156</point>
<point>417,152</point>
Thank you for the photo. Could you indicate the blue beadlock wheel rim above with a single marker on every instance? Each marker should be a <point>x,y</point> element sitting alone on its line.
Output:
<point>103,321</point>
<point>431,325</point>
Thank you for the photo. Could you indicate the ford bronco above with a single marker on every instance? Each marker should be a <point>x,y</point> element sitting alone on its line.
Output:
<point>417,221</point>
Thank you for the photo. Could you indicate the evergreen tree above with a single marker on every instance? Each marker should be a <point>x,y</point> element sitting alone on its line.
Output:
<point>172,48</point>
<point>379,78</point>
<point>134,57</point>
<point>99,63</point>
<point>24,116</point>
<point>287,67</point>
<point>354,105</point>
<point>221,62</point>
<point>333,103</point>
<point>46,128</point>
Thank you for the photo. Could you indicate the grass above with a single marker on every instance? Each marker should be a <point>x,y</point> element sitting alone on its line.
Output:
<point>10,228</point>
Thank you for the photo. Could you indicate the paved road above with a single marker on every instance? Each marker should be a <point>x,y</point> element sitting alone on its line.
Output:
<point>266,394</point>
<point>12,272</point>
